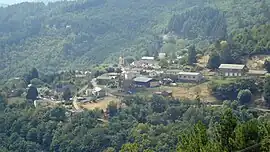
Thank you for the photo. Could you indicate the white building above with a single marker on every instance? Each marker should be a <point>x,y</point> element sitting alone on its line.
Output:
<point>161,55</point>
<point>148,58</point>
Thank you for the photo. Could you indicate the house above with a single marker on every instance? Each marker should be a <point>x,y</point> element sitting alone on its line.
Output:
<point>148,58</point>
<point>129,75</point>
<point>161,55</point>
<point>172,74</point>
<point>145,82</point>
<point>232,70</point>
<point>99,92</point>
<point>190,76</point>
<point>105,79</point>
<point>154,73</point>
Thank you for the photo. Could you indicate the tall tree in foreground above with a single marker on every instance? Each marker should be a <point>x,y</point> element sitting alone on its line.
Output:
<point>244,96</point>
<point>32,93</point>
<point>214,61</point>
<point>267,65</point>
<point>191,55</point>
<point>266,93</point>
<point>66,94</point>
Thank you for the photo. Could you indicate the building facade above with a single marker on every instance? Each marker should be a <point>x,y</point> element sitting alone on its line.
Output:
<point>232,70</point>
<point>190,76</point>
<point>145,82</point>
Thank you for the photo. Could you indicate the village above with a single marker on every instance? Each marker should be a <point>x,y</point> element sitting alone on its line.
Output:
<point>146,77</point>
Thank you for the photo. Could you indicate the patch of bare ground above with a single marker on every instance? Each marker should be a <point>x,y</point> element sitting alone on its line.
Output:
<point>101,104</point>
<point>256,61</point>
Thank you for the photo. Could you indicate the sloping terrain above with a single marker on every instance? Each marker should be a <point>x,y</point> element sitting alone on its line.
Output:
<point>64,35</point>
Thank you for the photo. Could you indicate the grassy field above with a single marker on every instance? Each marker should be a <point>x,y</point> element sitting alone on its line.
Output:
<point>101,104</point>
<point>185,91</point>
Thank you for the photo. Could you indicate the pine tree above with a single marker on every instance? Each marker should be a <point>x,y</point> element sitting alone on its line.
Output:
<point>191,55</point>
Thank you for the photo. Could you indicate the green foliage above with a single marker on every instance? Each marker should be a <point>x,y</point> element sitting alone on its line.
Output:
<point>80,34</point>
<point>266,93</point>
<point>67,94</point>
<point>32,93</point>
<point>191,55</point>
<point>204,22</point>
<point>214,61</point>
<point>267,65</point>
<point>244,96</point>
<point>163,63</point>
<point>228,90</point>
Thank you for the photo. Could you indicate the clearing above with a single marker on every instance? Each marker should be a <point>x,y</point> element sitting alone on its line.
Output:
<point>101,104</point>
<point>186,91</point>
<point>256,61</point>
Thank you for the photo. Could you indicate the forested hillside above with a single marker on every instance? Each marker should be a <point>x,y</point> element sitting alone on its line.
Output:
<point>146,125</point>
<point>81,34</point>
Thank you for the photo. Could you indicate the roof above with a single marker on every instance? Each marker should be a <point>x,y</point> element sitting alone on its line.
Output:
<point>142,79</point>
<point>232,66</point>
<point>258,72</point>
<point>148,58</point>
<point>173,70</point>
<point>189,73</point>
<point>97,89</point>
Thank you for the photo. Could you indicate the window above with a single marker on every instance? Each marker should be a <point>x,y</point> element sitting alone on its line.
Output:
<point>194,77</point>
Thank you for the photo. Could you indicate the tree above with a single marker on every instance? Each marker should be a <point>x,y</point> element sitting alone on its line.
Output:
<point>267,65</point>
<point>32,93</point>
<point>214,61</point>
<point>163,63</point>
<point>112,108</point>
<point>36,82</point>
<point>266,93</point>
<point>34,73</point>
<point>225,129</point>
<point>191,55</point>
<point>66,94</point>
<point>129,147</point>
<point>244,96</point>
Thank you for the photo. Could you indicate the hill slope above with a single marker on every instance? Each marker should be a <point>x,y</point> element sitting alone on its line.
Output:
<point>87,32</point>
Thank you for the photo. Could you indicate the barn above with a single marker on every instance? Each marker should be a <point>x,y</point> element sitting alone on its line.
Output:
<point>145,82</point>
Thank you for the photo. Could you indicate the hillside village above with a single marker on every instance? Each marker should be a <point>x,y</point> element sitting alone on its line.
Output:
<point>141,77</point>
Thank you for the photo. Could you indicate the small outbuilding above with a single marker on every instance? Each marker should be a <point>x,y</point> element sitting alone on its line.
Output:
<point>190,76</point>
<point>145,82</point>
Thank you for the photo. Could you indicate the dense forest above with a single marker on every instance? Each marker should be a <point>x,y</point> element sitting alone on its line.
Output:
<point>64,35</point>
<point>146,124</point>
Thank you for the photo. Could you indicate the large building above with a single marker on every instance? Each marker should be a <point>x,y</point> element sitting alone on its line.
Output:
<point>145,82</point>
<point>232,70</point>
<point>190,76</point>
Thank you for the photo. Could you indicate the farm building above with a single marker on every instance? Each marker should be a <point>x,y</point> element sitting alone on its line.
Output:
<point>172,74</point>
<point>257,73</point>
<point>105,79</point>
<point>99,92</point>
<point>145,82</point>
<point>190,76</point>
<point>232,70</point>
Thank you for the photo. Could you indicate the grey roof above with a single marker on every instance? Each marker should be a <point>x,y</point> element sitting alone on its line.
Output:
<point>142,79</point>
<point>173,70</point>
<point>232,66</point>
<point>103,77</point>
<point>189,73</point>
<point>259,72</point>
